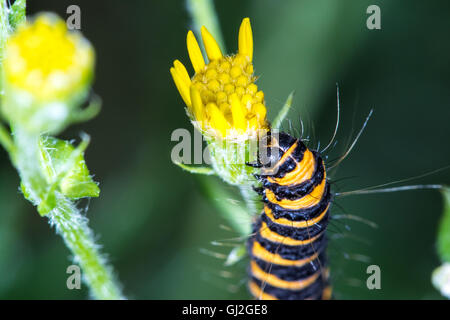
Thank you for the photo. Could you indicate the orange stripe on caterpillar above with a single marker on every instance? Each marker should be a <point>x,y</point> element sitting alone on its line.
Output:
<point>258,293</point>
<point>274,281</point>
<point>268,234</point>
<point>260,252</point>
<point>327,293</point>
<point>295,224</point>
<point>302,172</point>
<point>307,201</point>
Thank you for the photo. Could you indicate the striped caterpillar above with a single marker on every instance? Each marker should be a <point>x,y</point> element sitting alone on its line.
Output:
<point>287,247</point>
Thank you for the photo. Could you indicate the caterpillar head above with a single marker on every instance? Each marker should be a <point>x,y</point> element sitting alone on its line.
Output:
<point>271,149</point>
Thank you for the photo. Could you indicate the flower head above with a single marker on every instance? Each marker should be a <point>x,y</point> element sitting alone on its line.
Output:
<point>47,61</point>
<point>46,75</point>
<point>222,98</point>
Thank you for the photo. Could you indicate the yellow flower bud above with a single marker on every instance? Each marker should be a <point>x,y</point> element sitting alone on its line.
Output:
<point>47,61</point>
<point>46,74</point>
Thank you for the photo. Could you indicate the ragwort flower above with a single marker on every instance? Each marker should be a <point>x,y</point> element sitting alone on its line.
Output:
<point>222,98</point>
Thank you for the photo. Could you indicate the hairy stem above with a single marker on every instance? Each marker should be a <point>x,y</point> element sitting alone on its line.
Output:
<point>73,228</point>
<point>68,221</point>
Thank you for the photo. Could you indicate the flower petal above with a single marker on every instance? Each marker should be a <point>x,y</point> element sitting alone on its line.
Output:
<point>217,119</point>
<point>182,87</point>
<point>195,53</point>
<point>197,106</point>
<point>246,39</point>
<point>179,67</point>
<point>211,46</point>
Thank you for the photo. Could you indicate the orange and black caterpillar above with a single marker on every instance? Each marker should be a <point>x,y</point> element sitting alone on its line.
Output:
<point>288,243</point>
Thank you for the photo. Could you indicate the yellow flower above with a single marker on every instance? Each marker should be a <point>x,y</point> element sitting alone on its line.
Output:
<point>47,61</point>
<point>222,98</point>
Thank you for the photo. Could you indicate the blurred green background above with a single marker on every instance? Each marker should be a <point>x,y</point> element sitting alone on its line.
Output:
<point>154,220</point>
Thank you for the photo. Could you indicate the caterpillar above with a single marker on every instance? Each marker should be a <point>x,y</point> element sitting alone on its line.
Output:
<point>288,243</point>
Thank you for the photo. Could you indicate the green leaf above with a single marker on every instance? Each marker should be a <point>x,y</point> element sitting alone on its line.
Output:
<point>196,169</point>
<point>65,167</point>
<point>17,13</point>
<point>283,112</point>
<point>86,114</point>
<point>444,228</point>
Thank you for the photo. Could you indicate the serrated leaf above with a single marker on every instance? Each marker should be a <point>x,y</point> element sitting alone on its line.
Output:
<point>61,162</point>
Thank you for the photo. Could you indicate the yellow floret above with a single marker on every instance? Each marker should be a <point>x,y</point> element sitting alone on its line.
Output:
<point>46,60</point>
<point>222,97</point>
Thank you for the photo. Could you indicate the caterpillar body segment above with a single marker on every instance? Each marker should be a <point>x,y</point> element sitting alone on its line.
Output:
<point>288,243</point>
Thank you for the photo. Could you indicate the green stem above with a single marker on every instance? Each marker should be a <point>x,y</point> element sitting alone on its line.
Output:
<point>27,161</point>
<point>73,228</point>
<point>69,222</point>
